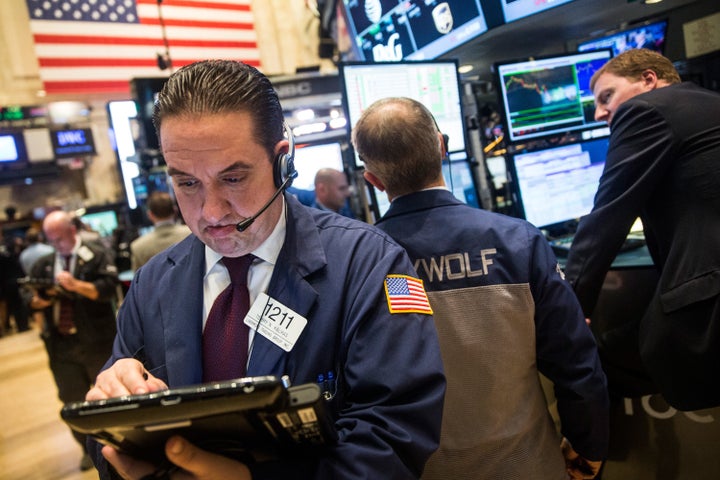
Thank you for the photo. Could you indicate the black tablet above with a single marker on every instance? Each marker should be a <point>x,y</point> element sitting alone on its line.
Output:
<point>251,419</point>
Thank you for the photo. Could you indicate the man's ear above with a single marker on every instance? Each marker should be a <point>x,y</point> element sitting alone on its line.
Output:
<point>649,79</point>
<point>374,180</point>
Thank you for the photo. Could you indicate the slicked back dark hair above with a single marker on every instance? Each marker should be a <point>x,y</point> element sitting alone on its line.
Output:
<point>223,86</point>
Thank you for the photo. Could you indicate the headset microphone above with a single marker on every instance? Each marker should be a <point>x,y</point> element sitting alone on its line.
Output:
<point>242,226</point>
<point>283,174</point>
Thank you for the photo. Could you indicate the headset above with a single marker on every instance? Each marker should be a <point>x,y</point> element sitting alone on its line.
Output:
<point>283,174</point>
<point>284,169</point>
<point>445,139</point>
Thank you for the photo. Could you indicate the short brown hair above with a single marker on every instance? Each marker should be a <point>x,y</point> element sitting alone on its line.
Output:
<point>632,63</point>
<point>161,205</point>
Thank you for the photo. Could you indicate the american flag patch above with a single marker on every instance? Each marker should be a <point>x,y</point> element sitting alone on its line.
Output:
<point>406,295</point>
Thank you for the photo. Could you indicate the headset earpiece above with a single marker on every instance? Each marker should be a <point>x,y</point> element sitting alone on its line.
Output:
<point>446,140</point>
<point>284,170</point>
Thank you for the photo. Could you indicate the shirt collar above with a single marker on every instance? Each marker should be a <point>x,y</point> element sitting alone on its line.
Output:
<point>268,251</point>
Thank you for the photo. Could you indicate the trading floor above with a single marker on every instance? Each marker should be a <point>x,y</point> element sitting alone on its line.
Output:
<point>34,442</point>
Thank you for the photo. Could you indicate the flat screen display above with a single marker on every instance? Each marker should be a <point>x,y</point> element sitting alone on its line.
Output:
<point>516,9</point>
<point>549,96</point>
<point>393,30</point>
<point>459,178</point>
<point>76,142</point>
<point>436,84</point>
<point>558,184</point>
<point>104,222</point>
<point>311,158</point>
<point>648,35</point>
<point>124,130</point>
<point>12,148</point>
<point>144,92</point>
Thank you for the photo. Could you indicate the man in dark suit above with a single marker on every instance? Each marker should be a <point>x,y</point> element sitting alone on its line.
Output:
<point>663,165</point>
<point>78,308</point>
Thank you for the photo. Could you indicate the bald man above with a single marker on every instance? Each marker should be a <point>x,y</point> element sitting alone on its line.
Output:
<point>332,191</point>
<point>78,309</point>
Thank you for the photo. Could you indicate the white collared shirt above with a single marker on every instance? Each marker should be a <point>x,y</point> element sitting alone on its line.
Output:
<point>217,277</point>
<point>60,262</point>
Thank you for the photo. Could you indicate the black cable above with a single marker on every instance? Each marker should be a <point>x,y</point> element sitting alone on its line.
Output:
<point>164,61</point>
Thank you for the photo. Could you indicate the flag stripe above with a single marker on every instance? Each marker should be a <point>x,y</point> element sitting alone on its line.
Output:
<point>110,52</point>
<point>78,87</point>
<point>92,53</point>
<point>179,16</point>
<point>209,4</point>
<point>133,30</point>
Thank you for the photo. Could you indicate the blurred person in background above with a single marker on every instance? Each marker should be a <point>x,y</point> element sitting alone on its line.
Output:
<point>166,231</point>
<point>76,288</point>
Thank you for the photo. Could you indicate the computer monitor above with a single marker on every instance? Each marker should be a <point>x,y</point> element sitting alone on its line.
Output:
<point>72,142</point>
<point>434,83</point>
<point>16,164</point>
<point>384,30</point>
<point>650,35</point>
<point>144,91</point>
<point>310,158</point>
<point>12,149</point>
<point>459,178</point>
<point>549,96</point>
<point>102,221</point>
<point>558,184</point>
<point>125,129</point>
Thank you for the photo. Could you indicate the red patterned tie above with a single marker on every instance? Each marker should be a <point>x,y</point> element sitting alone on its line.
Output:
<point>225,339</point>
<point>66,323</point>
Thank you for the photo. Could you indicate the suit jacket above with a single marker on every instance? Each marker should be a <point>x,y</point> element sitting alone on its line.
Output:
<point>162,237</point>
<point>94,319</point>
<point>331,270</point>
<point>663,165</point>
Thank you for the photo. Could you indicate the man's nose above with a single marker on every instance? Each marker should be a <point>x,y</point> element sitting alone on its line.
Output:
<point>601,114</point>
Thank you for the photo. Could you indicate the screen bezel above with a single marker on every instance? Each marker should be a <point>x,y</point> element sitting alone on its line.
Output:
<point>510,136</point>
<point>455,153</point>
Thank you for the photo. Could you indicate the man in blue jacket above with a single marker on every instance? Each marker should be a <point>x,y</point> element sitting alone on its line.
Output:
<point>503,313</point>
<point>221,129</point>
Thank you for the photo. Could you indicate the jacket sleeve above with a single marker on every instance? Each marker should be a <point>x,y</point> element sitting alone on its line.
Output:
<point>567,355</point>
<point>387,408</point>
<point>393,389</point>
<point>640,151</point>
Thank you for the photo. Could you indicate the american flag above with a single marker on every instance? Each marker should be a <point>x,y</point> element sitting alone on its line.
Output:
<point>97,46</point>
<point>406,295</point>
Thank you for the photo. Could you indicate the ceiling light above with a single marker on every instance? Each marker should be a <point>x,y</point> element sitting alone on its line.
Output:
<point>465,68</point>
